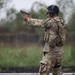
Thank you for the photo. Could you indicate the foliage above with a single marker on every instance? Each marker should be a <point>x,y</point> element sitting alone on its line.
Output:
<point>4,3</point>
<point>71,35</point>
<point>67,8</point>
<point>71,29</point>
<point>14,23</point>
<point>20,56</point>
<point>25,56</point>
<point>73,54</point>
<point>1,4</point>
<point>67,57</point>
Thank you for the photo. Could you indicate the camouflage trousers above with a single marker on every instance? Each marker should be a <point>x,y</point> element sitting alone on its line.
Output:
<point>51,60</point>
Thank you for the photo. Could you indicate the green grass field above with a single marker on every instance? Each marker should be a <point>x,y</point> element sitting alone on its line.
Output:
<point>20,56</point>
<point>69,56</point>
<point>16,56</point>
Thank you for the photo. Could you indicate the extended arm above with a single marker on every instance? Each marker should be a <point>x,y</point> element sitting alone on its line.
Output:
<point>35,22</point>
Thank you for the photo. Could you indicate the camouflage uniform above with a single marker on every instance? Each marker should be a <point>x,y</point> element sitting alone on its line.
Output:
<point>52,54</point>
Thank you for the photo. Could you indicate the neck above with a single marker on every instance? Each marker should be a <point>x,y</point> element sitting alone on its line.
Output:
<point>53,16</point>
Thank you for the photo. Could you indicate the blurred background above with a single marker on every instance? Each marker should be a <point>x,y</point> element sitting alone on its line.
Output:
<point>21,45</point>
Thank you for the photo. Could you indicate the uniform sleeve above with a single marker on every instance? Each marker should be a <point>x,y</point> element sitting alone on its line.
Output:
<point>39,22</point>
<point>35,22</point>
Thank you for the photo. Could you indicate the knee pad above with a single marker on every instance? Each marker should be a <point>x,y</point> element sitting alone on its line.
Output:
<point>43,67</point>
<point>57,65</point>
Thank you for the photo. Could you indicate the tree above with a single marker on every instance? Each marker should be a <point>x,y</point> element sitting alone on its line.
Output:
<point>1,4</point>
<point>71,36</point>
<point>66,7</point>
<point>71,28</point>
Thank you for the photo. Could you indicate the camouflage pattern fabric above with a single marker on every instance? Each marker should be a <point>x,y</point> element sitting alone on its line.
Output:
<point>52,54</point>
<point>51,60</point>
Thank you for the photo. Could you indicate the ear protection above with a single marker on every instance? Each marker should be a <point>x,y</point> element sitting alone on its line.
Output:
<point>52,11</point>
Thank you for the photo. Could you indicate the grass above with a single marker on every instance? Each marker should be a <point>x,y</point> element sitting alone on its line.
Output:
<point>17,56</point>
<point>68,55</point>
<point>20,56</point>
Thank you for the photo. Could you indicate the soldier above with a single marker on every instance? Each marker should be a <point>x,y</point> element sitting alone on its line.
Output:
<point>54,38</point>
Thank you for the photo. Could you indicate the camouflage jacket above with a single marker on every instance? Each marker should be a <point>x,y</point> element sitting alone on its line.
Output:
<point>50,26</point>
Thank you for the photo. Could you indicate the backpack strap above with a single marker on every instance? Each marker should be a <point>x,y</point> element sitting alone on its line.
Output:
<point>57,25</point>
<point>62,22</point>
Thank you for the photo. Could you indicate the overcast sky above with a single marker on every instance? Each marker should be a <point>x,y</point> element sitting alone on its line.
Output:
<point>26,4</point>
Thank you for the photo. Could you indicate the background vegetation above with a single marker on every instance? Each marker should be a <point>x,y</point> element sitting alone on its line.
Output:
<point>18,40</point>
